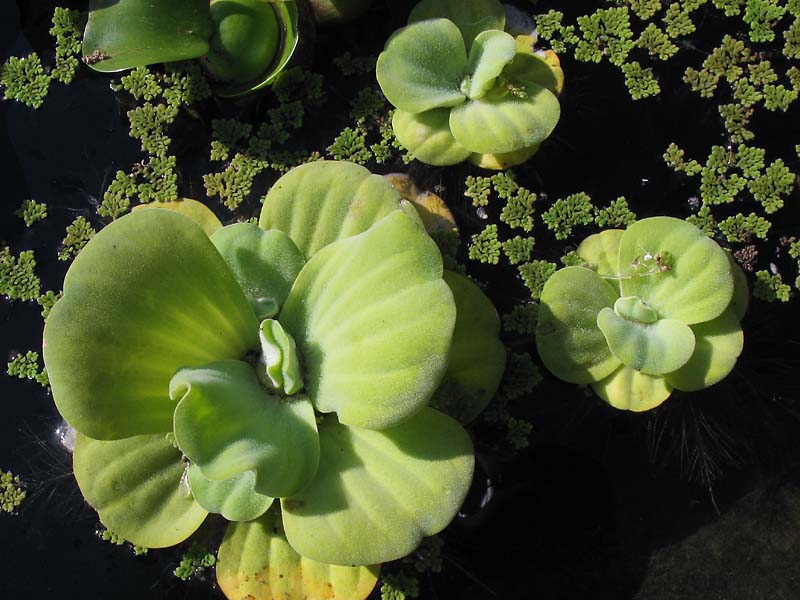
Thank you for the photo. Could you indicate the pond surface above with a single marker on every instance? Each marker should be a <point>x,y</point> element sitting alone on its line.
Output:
<point>580,513</point>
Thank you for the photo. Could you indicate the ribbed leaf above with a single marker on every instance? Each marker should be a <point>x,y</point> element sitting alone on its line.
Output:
<point>698,284</point>
<point>235,499</point>
<point>470,17</point>
<point>477,356</point>
<point>378,493</point>
<point>149,294</point>
<point>719,343</point>
<point>489,55</point>
<point>196,211</point>
<point>601,252</point>
<point>427,136</point>
<point>504,122</point>
<point>265,263</point>
<point>373,320</point>
<point>257,563</point>
<point>136,487</point>
<point>652,348</point>
<point>423,65</point>
<point>569,342</point>
<point>320,202</point>
<point>226,423</point>
<point>628,389</point>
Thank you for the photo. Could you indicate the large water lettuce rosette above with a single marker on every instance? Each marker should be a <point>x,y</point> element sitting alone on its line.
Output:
<point>239,369</point>
<point>653,308</point>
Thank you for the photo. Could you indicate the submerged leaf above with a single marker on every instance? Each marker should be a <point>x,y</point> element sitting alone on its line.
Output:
<point>135,486</point>
<point>378,493</point>
<point>149,294</point>
<point>256,562</point>
<point>226,423</point>
<point>373,321</point>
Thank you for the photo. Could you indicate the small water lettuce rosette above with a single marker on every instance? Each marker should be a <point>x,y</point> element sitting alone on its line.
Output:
<point>212,369</point>
<point>655,307</point>
<point>243,44</point>
<point>465,89</point>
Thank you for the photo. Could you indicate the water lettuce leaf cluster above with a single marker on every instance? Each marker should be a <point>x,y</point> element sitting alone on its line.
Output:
<point>219,369</point>
<point>465,89</point>
<point>654,307</point>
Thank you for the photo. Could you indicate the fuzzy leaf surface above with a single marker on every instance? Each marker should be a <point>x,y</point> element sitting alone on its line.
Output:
<point>628,389</point>
<point>471,17</point>
<point>427,136</point>
<point>488,56</point>
<point>234,498</point>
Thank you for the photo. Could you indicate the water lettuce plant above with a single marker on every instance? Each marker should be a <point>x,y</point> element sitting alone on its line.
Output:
<point>654,307</point>
<point>243,44</point>
<point>465,89</point>
<point>212,369</point>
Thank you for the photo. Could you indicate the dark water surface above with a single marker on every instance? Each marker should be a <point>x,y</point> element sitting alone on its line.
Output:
<point>598,503</point>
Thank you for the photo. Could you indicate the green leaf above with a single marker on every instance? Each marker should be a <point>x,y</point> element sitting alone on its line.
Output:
<point>234,498</point>
<point>741,289</point>
<point>288,19</point>
<point>378,493</point>
<point>601,252</point>
<point>698,284</point>
<point>422,66</point>
<point>196,211</point>
<point>147,295</point>
<point>477,356</point>
<point>373,321</point>
<point>427,136</point>
<point>136,486</point>
<point>470,17</point>
<point>532,70</point>
<point>569,342</point>
<point>279,356</point>
<point>124,34</point>
<point>226,423</point>
<point>503,122</point>
<point>256,562</point>
<point>719,343</point>
<point>320,202</point>
<point>628,389</point>
<point>652,348</point>
<point>490,53</point>
<point>265,263</point>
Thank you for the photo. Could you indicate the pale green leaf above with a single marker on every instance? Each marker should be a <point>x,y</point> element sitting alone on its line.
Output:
<point>470,17</point>
<point>423,65</point>
<point>503,122</point>
<point>532,70</point>
<point>147,295</point>
<point>697,285</point>
<point>427,136</point>
<point>257,563</point>
<point>652,348</point>
<point>320,202</point>
<point>490,53</point>
<point>196,211</point>
<point>570,344</point>
<point>628,389</point>
<point>226,423</point>
<point>265,263</point>
<point>136,486</point>
<point>477,356</point>
<point>373,320</point>
<point>378,493</point>
<point>741,290</point>
<point>719,343</point>
<point>279,357</point>
<point>601,253</point>
<point>234,498</point>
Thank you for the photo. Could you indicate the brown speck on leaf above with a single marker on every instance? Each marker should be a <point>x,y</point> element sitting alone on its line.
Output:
<point>95,57</point>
